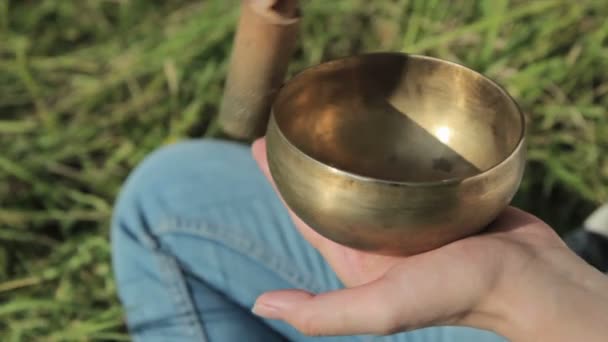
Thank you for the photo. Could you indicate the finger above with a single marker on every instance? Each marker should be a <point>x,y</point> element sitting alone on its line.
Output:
<point>366,309</point>
<point>516,222</point>
<point>258,149</point>
<point>513,218</point>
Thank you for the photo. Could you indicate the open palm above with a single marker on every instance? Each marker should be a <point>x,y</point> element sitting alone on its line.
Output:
<point>449,285</point>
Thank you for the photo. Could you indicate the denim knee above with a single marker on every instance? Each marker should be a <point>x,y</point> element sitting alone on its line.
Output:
<point>152,189</point>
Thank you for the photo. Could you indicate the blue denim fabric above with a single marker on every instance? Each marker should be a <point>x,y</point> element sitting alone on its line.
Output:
<point>198,234</point>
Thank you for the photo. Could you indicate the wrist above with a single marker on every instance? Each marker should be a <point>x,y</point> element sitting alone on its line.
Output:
<point>556,297</point>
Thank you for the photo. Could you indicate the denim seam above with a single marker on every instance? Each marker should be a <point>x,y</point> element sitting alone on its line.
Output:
<point>180,295</point>
<point>278,264</point>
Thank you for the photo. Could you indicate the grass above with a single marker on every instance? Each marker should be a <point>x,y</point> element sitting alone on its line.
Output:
<point>89,87</point>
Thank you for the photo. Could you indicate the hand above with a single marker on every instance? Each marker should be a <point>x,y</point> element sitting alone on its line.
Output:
<point>509,279</point>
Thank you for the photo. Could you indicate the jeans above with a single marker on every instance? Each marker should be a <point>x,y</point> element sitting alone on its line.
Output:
<point>198,233</point>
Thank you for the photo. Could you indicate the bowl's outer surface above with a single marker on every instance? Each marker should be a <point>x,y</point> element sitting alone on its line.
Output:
<point>389,215</point>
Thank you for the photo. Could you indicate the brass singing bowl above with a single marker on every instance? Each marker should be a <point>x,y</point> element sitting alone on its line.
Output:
<point>395,154</point>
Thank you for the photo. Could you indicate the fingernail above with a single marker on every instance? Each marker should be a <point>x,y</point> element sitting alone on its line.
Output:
<point>265,310</point>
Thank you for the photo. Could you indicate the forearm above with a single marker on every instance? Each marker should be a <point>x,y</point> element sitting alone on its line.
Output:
<point>585,318</point>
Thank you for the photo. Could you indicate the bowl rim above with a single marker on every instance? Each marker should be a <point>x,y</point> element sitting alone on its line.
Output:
<point>454,180</point>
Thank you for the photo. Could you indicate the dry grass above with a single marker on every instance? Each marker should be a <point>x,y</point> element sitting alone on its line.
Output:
<point>89,87</point>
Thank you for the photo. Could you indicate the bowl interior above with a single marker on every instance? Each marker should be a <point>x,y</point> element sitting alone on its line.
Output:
<point>399,117</point>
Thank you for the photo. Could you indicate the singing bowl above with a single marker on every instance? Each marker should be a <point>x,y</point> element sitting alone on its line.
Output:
<point>395,154</point>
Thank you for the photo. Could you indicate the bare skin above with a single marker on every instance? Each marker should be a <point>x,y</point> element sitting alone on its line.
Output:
<point>518,279</point>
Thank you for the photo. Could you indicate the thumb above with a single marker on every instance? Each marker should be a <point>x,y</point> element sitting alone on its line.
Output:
<point>365,309</point>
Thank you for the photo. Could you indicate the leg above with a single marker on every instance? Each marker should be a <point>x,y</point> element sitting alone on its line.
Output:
<point>198,234</point>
